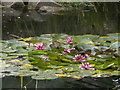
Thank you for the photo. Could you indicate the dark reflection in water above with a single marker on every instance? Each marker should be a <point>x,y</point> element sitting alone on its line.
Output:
<point>25,23</point>
<point>87,82</point>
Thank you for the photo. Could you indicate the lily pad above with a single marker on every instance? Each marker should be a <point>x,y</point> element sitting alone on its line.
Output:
<point>45,75</point>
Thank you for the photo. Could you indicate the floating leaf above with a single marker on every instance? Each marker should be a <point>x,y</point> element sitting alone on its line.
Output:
<point>45,75</point>
<point>38,52</point>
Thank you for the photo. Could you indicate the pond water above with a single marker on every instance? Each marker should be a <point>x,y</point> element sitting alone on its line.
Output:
<point>87,82</point>
<point>76,21</point>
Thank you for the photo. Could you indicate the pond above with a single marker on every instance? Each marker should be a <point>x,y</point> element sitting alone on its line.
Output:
<point>61,35</point>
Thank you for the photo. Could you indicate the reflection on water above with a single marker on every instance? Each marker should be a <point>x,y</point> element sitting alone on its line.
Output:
<point>87,82</point>
<point>25,23</point>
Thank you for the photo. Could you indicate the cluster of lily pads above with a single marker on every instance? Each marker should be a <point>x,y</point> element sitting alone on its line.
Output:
<point>50,56</point>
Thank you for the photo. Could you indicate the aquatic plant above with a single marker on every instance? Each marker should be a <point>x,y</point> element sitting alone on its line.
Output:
<point>38,46</point>
<point>46,57</point>
<point>66,51</point>
<point>86,66</point>
<point>78,57</point>
<point>69,40</point>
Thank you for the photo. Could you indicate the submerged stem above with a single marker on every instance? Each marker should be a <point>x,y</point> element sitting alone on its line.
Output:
<point>27,83</point>
<point>21,81</point>
<point>36,84</point>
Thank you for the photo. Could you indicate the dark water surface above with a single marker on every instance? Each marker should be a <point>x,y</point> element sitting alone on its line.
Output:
<point>87,82</point>
<point>26,23</point>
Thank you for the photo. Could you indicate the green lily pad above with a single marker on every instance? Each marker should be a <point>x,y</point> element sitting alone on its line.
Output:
<point>38,52</point>
<point>45,75</point>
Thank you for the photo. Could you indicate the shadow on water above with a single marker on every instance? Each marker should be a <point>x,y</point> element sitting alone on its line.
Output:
<point>87,82</point>
<point>26,23</point>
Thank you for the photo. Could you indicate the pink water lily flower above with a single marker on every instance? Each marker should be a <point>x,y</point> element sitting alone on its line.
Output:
<point>69,41</point>
<point>36,44</point>
<point>86,56</point>
<point>31,44</point>
<point>66,51</point>
<point>44,58</point>
<point>40,48</point>
<point>86,66</point>
<point>78,57</point>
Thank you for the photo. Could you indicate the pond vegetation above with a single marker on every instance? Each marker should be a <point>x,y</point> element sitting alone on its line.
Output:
<point>60,55</point>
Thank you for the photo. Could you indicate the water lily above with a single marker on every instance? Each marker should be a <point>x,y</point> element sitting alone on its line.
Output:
<point>86,66</point>
<point>40,48</point>
<point>78,57</point>
<point>86,56</point>
<point>44,58</point>
<point>69,41</point>
<point>66,51</point>
<point>38,44</point>
<point>31,44</point>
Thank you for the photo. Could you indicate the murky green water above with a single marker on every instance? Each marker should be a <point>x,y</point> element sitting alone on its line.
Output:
<point>25,23</point>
